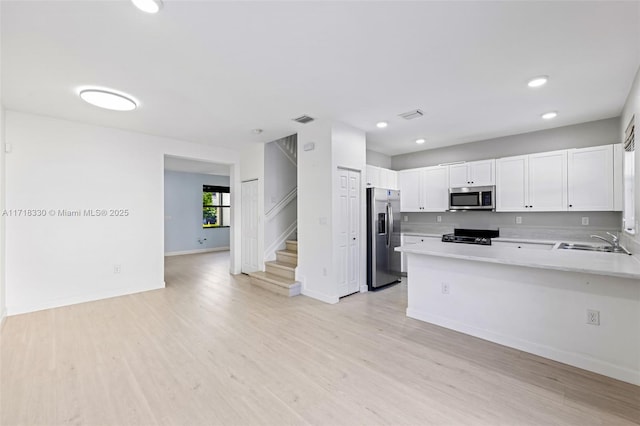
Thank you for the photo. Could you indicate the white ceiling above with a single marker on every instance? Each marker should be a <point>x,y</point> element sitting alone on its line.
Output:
<point>211,71</point>
<point>178,164</point>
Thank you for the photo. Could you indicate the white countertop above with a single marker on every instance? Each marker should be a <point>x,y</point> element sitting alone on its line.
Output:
<point>599,263</point>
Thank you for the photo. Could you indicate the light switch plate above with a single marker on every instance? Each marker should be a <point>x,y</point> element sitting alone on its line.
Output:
<point>438,219</point>
<point>406,218</point>
<point>519,220</point>
<point>585,220</point>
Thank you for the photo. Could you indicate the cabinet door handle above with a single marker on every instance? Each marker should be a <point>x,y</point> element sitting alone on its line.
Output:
<point>570,205</point>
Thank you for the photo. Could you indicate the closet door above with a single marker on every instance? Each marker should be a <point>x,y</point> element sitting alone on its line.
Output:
<point>348,231</point>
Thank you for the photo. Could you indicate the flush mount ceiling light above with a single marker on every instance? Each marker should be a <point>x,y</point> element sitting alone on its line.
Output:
<point>538,81</point>
<point>257,131</point>
<point>382,124</point>
<point>149,6</point>
<point>420,141</point>
<point>549,115</point>
<point>108,100</point>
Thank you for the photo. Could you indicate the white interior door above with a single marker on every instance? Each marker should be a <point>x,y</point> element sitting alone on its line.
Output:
<point>348,232</point>
<point>249,226</point>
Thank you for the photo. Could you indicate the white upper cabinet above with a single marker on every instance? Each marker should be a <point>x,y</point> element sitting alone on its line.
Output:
<point>411,199</point>
<point>536,182</point>
<point>548,181</point>
<point>424,190</point>
<point>474,173</point>
<point>373,176</point>
<point>379,177</point>
<point>590,174</point>
<point>459,175</point>
<point>512,183</point>
<point>435,189</point>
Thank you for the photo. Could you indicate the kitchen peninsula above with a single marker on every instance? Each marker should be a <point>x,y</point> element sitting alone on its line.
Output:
<point>534,300</point>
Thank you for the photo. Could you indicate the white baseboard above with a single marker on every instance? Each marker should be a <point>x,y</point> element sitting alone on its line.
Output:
<point>196,251</point>
<point>319,296</point>
<point>17,310</point>
<point>571,358</point>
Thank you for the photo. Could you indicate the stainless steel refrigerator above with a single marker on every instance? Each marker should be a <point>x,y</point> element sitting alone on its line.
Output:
<point>383,236</point>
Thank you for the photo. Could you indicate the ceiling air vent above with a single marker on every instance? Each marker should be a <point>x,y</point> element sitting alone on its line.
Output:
<point>416,113</point>
<point>304,119</point>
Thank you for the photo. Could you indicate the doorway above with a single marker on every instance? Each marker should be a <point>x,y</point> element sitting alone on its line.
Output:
<point>197,210</point>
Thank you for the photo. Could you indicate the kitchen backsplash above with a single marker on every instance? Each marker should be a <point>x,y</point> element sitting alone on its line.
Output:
<point>539,225</point>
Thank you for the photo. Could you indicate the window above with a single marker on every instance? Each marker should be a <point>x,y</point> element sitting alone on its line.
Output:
<point>216,206</point>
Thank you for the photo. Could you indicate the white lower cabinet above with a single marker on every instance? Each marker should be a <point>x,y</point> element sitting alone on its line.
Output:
<point>424,190</point>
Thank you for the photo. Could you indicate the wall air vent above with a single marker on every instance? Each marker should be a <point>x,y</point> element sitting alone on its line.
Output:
<point>304,119</point>
<point>410,115</point>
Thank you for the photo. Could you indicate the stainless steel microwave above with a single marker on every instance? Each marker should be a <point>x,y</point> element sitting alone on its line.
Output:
<point>472,198</point>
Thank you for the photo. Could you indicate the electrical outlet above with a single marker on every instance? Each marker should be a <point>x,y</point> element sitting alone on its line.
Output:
<point>446,289</point>
<point>438,219</point>
<point>117,269</point>
<point>585,220</point>
<point>593,317</point>
<point>518,220</point>
<point>406,218</point>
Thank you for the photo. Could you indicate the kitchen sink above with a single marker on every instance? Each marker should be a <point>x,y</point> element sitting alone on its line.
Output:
<point>587,247</point>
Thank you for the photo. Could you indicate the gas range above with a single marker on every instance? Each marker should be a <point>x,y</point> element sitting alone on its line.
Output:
<point>471,236</point>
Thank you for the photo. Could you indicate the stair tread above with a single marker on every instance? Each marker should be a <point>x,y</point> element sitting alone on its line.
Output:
<point>274,279</point>
<point>283,265</point>
<point>288,252</point>
<point>292,241</point>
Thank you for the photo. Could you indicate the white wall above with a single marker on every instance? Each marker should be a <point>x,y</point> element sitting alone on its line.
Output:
<point>3,298</point>
<point>252,167</point>
<point>3,307</point>
<point>183,231</point>
<point>336,145</point>
<point>375,158</point>
<point>593,133</point>
<point>315,266</point>
<point>57,164</point>
<point>280,175</point>
<point>280,180</point>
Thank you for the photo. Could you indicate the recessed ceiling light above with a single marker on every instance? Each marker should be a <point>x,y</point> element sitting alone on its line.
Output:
<point>382,124</point>
<point>420,141</point>
<point>549,115</point>
<point>149,6</point>
<point>257,131</point>
<point>538,81</point>
<point>107,99</point>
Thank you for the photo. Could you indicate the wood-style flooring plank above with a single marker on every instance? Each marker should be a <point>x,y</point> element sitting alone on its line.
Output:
<point>211,349</point>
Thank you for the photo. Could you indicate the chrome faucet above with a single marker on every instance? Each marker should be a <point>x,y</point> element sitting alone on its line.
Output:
<point>614,243</point>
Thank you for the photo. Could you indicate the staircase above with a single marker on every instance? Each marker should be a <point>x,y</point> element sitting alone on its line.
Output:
<point>280,274</point>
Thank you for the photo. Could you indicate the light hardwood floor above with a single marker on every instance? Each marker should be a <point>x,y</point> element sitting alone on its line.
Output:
<point>212,349</point>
